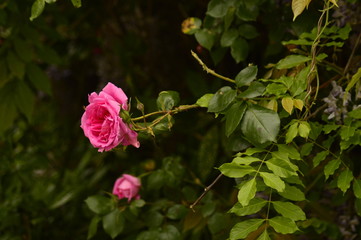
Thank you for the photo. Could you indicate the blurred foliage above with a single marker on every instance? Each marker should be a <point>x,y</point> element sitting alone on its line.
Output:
<point>53,185</point>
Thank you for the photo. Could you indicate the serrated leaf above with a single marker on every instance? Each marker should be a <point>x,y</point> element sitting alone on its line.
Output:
<point>247,192</point>
<point>283,225</point>
<point>254,90</point>
<point>247,160</point>
<point>260,125</point>
<point>304,129</point>
<point>228,37</point>
<point>239,49</point>
<point>92,230</point>
<point>76,3</point>
<point>264,236</point>
<point>276,89</point>
<point>221,99</point>
<point>290,150</point>
<point>246,76</point>
<point>273,181</point>
<point>347,132</point>
<point>205,38</point>
<point>331,167</point>
<point>291,132</point>
<point>298,6</point>
<point>233,116</point>
<point>99,204</point>
<point>292,61</point>
<point>234,170</point>
<point>36,9</point>
<point>298,103</point>
<point>344,180</point>
<point>272,105</point>
<point>204,100</point>
<point>287,104</point>
<point>329,128</point>
<point>242,229</point>
<point>292,193</point>
<point>167,100</point>
<point>319,158</point>
<point>280,168</point>
<point>356,187</point>
<point>38,78</point>
<point>217,8</point>
<point>113,223</point>
<point>254,206</point>
<point>289,210</point>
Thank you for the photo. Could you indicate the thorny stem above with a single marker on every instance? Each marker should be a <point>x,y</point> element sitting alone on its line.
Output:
<point>165,112</point>
<point>206,190</point>
<point>210,71</point>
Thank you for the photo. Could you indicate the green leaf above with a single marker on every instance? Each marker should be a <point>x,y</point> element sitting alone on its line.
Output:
<point>273,181</point>
<point>251,151</point>
<point>291,132</point>
<point>242,229</point>
<point>254,90</point>
<point>354,114</point>
<point>169,232</point>
<point>113,223</point>
<point>344,180</point>
<point>36,9</point>
<point>99,204</point>
<point>167,100</point>
<point>76,3</point>
<point>283,225</point>
<point>289,210</point>
<point>93,227</point>
<point>16,66</point>
<point>292,61</point>
<point>221,99</point>
<point>304,129</point>
<point>7,106</point>
<point>208,151</point>
<point>239,49</point>
<point>319,158</point>
<point>205,38</point>
<point>264,236</point>
<point>358,206</point>
<point>355,78</point>
<point>247,31</point>
<point>204,100</point>
<point>298,6</point>
<point>38,78</point>
<point>254,206</point>
<point>23,50</point>
<point>246,160</point>
<point>290,150</point>
<point>331,167</point>
<point>276,89</point>
<point>217,8</point>
<point>48,54</point>
<point>233,116</point>
<point>176,211</point>
<point>228,37</point>
<point>247,192</point>
<point>329,128</point>
<point>347,132</point>
<point>248,11</point>
<point>260,125</point>
<point>293,193</point>
<point>246,76</point>
<point>356,187</point>
<point>280,168</point>
<point>24,99</point>
<point>234,170</point>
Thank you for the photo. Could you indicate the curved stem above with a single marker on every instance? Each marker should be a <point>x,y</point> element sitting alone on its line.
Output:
<point>210,71</point>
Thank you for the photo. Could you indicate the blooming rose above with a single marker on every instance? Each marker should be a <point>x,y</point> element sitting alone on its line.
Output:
<point>127,186</point>
<point>101,121</point>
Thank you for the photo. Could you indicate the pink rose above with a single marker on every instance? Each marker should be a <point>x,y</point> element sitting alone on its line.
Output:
<point>127,186</point>
<point>101,122</point>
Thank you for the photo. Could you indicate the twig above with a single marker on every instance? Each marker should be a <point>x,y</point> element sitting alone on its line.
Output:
<point>206,190</point>
<point>210,71</point>
<point>352,53</point>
